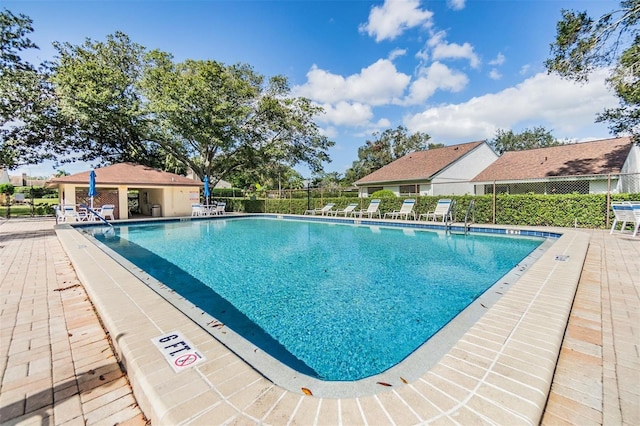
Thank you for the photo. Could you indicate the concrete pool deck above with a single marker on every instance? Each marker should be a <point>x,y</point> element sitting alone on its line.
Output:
<point>499,372</point>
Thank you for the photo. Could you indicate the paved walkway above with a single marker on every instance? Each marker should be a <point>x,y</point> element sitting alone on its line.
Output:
<point>56,363</point>
<point>57,366</point>
<point>597,379</point>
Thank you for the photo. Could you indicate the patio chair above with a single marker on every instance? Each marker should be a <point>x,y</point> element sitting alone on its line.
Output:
<point>197,209</point>
<point>323,211</point>
<point>623,213</point>
<point>349,210</point>
<point>107,210</point>
<point>371,211</point>
<point>69,212</point>
<point>220,209</point>
<point>635,206</point>
<point>405,211</point>
<point>443,210</point>
<point>60,217</point>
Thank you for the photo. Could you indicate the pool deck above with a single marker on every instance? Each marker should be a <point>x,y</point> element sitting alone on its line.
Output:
<point>519,364</point>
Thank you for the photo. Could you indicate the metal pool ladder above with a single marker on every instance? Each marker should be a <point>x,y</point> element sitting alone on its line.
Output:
<point>471,211</point>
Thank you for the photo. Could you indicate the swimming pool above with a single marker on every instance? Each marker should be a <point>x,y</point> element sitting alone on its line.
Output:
<point>338,302</point>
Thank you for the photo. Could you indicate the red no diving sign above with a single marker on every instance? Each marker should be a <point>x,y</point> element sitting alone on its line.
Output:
<point>178,351</point>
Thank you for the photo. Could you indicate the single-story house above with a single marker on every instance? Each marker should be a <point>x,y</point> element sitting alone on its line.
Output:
<point>440,171</point>
<point>585,168</point>
<point>133,189</point>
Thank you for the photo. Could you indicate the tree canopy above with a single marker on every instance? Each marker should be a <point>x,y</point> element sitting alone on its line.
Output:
<point>583,44</point>
<point>507,140</point>
<point>386,147</point>
<point>97,84</point>
<point>25,97</point>
<point>113,101</point>
<point>218,118</point>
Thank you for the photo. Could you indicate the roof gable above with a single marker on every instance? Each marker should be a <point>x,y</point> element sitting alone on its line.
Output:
<point>420,165</point>
<point>579,159</point>
<point>128,174</point>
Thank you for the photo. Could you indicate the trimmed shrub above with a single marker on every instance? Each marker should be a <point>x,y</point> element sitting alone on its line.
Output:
<point>383,193</point>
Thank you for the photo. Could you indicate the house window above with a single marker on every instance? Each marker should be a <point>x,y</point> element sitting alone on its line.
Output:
<point>372,189</point>
<point>408,189</point>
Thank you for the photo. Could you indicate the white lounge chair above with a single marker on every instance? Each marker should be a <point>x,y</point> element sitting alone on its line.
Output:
<point>197,209</point>
<point>626,212</point>
<point>60,217</point>
<point>443,210</point>
<point>405,211</point>
<point>70,213</point>
<point>635,206</point>
<point>349,210</point>
<point>323,211</point>
<point>220,209</point>
<point>371,211</point>
<point>107,210</point>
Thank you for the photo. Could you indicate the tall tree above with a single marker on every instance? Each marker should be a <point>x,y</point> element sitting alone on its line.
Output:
<point>218,118</point>
<point>625,81</point>
<point>98,87</point>
<point>583,44</point>
<point>507,140</point>
<point>386,147</point>
<point>26,98</point>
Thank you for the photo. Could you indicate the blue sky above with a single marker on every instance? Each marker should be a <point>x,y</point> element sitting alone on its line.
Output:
<point>457,70</point>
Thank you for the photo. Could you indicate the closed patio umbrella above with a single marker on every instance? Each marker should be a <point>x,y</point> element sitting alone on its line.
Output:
<point>207,193</point>
<point>92,186</point>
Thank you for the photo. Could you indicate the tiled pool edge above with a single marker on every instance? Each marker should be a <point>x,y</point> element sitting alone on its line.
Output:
<point>467,384</point>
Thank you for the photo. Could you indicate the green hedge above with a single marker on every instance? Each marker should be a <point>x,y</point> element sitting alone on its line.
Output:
<point>565,210</point>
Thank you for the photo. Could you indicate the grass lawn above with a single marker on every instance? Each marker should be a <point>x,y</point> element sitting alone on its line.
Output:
<point>42,206</point>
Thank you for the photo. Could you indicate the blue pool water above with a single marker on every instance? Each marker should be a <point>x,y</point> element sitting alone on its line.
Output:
<point>335,301</point>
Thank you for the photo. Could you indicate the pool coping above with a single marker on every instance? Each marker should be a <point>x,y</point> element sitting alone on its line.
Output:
<point>500,370</point>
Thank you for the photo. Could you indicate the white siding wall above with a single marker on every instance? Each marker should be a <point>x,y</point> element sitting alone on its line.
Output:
<point>601,186</point>
<point>455,179</point>
<point>631,183</point>
<point>426,189</point>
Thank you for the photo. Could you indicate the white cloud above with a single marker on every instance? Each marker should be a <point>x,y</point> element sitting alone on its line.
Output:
<point>330,131</point>
<point>499,60</point>
<point>562,106</point>
<point>456,4</point>
<point>525,69</point>
<point>456,51</point>
<point>443,50</point>
<point>346,114</point>
<point>395,17</point>
<point>378,84</point>
<point>494,74</point>
<point>397,53</point>
<point>435,77</point>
